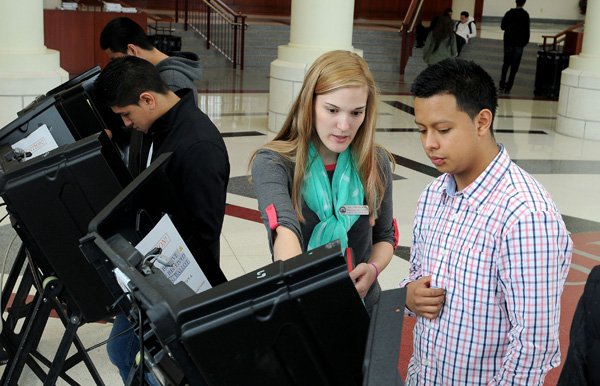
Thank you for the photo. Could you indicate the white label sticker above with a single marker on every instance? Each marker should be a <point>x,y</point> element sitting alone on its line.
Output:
<point>354,210</point>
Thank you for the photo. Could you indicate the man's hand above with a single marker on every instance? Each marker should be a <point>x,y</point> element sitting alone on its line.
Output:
<point>424,300</point>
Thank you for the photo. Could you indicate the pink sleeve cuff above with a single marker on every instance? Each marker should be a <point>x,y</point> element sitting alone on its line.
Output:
<point>396,234</point>
<point>272,217</point>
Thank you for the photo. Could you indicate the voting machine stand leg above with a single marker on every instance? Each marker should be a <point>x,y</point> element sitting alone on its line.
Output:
<point>22,346</point>
<point>19,309</point>
<point>61,364</point>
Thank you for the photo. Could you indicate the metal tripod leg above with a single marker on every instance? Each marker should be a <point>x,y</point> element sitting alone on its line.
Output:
<point>61,364</point>
<point>21,346</point>
<point>21,308</point>
<point>31,334</point>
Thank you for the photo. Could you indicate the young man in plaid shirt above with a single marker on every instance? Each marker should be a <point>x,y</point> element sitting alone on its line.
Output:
<point>490,250</point>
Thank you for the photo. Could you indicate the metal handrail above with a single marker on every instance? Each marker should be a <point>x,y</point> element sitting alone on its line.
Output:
<point>415,18</point>
<point>559,37</point>
<point>407,30</point>
<point>219,25</point>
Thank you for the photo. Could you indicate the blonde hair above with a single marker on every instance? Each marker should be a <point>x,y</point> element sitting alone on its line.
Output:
<point>332,71</point>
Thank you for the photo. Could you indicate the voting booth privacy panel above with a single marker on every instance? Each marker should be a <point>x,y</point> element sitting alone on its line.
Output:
<point>52,196</point>
<point>58,168</point>
<point>295,322</point>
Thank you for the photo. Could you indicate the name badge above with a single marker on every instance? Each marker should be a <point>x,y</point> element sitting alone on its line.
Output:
<point>354,210</point>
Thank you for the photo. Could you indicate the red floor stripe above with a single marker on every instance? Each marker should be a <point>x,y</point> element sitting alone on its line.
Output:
<point>29,300</point>
<point>243,213</point>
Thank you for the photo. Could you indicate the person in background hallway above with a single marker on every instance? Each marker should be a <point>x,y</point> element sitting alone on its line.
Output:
<point>582,366</point>
<point>515,25</point>
<point>323,178</point>
<point>420,34</point>
<point>464,29</point>
<point>422,31</point>
<point>490,251</point>
<point>441,42</point>
<point>446,13</point>
<point>122,36</point>
<point>198,169</point>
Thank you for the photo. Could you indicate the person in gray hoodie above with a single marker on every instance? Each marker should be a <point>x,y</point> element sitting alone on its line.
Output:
<point>123,36</point>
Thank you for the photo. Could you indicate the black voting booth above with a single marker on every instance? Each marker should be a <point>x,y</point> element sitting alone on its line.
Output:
<point>69,110</point>
<point>50,199</point>
<point>296,322</point>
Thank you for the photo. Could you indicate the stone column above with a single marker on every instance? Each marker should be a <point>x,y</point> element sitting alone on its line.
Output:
<point>27,67</point>
<point>578,113</point>
<point>316,27</point>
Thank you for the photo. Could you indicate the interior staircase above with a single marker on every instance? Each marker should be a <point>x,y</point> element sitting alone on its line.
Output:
<point>488,53</point>
<point>381,49</point>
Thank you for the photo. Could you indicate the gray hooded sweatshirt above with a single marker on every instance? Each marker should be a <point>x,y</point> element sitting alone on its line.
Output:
<point>178,73</point>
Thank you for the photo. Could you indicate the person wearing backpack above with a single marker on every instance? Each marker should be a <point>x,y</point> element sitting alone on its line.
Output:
<point>464,29</point>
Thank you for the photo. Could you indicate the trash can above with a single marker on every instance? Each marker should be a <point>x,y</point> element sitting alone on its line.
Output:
<point>547,73</point>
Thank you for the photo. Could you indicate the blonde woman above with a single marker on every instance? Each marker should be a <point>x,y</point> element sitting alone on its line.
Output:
<point>322,177</point>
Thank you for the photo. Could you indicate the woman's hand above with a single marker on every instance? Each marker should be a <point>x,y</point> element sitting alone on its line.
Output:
<point>363,276</point>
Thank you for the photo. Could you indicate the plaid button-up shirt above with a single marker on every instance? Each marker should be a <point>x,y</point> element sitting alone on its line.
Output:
<point>501,251</point>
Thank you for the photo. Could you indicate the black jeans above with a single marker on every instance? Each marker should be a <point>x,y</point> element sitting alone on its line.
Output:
<point>512,60</point>
<point>460,42</point>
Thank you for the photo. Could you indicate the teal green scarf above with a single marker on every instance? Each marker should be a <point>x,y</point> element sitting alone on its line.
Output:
<point>326,199</point>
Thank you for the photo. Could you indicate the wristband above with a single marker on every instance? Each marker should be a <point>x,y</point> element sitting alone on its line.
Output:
<point>377,272</point>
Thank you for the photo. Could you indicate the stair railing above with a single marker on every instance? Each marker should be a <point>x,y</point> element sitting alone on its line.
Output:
<point>553,41</point>
<point>407,29</point>
<point>219,25</point>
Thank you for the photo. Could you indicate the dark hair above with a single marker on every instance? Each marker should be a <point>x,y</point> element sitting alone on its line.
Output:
<point>123,80</point>
<point>120,32</point>
<point>520,3</point>
<point>471,85</point>
<point>464,13</point>
<point>447,12</point>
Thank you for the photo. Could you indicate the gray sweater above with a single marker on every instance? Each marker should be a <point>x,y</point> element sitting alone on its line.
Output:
<point>273,175</point>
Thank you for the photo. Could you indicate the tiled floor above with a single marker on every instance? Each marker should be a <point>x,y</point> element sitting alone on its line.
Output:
<point>568,167</point>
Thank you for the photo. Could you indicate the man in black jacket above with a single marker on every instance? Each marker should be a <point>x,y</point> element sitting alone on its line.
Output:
<point>515,25</point>
<point>199,165</point>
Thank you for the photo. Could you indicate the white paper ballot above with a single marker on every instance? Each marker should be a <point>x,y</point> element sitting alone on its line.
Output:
<point>181,265</point>
<point>39,142</point>
<point>122,279</point>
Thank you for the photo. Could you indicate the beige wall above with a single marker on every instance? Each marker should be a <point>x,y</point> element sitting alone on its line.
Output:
<point>462,5</point>
<point>538,9</point>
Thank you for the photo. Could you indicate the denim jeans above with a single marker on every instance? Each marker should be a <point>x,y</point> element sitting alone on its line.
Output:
<point>123,349</point>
